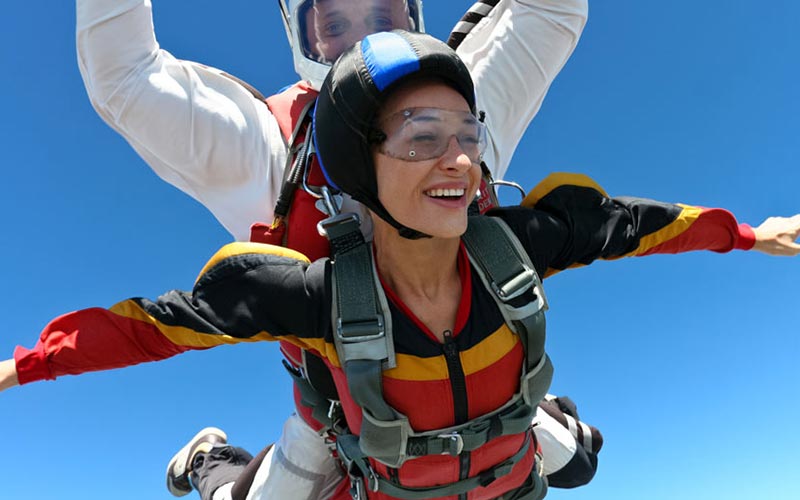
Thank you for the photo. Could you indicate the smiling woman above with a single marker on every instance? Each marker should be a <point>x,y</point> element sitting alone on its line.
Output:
<point>438,361</point>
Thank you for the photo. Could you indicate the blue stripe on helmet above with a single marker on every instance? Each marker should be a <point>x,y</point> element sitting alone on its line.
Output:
<point>319,156</point>
<point>388,57</point>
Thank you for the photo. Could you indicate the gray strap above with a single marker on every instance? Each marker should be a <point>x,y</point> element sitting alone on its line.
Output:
<point>505,268</point>
<point>358,467</point>
<point>359,327</point>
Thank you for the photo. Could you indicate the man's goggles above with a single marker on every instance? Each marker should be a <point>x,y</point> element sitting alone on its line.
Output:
<point>418,134</point>
<point>325,21</point>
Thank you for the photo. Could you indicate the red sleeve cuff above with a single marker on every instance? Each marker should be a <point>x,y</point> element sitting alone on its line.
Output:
<point>32,364</point>
<point>747,237</point>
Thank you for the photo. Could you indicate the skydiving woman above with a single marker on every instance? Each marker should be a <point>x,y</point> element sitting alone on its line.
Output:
<point>439,363</point>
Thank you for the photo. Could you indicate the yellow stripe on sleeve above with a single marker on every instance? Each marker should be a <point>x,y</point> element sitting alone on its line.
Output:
<point>556,180</point>
<point>242,248</point>
<point>683,222</point>
<point>181,335</point>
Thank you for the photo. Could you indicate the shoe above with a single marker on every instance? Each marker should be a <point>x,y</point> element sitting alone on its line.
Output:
<point>564,410</point>
<point>181,464</point>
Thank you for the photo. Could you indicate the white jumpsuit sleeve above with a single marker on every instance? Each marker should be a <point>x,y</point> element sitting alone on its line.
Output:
<point>197,129</point>
<point>514,55</point>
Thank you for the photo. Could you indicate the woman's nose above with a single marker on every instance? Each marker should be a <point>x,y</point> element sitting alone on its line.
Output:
<point>455,157</point>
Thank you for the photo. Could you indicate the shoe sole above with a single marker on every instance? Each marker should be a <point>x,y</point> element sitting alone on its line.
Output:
<point>179,465</point>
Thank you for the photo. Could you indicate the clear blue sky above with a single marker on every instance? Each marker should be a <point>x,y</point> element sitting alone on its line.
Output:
<point>687,363</point>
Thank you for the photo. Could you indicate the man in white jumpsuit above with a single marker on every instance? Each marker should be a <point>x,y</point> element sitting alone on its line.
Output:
<point>207,135</point>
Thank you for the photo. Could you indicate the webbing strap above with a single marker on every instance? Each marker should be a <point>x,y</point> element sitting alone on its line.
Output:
<point>506,269</point>
<point>358,467</point>
<point>359,317</point>
<point>310,396</point>
<point>512,420</point>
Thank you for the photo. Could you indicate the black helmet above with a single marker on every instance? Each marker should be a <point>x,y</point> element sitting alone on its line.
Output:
<point>354,90</point>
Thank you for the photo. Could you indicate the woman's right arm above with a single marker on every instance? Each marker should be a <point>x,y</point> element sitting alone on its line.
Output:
<point>196,128</point>
<point>246,293</point>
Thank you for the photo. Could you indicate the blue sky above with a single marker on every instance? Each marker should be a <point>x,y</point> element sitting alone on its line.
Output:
<point>687,363</point>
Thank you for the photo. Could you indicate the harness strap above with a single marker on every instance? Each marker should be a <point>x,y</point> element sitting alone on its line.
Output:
<point>360,321</point>
<point>505,267</point>
<point>358,468</point>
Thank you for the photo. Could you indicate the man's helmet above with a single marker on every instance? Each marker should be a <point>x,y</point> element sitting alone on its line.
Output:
<point>320,30</point>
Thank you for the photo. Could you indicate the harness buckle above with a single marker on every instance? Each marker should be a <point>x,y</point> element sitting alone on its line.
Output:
<point>360,331</point>
<point>456,443</point>
<point>357,489</point>
<point>359,483</point>
<point>515,286</point>
<point>326,225</point>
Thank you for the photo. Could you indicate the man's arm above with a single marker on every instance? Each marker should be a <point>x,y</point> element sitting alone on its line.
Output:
<point>197,129</point>
<point>514,55</point>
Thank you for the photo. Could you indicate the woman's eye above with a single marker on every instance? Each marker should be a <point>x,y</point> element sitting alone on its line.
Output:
<point>427,137</point>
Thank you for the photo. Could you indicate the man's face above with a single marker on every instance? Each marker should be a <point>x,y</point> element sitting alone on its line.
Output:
<point>334,25</point>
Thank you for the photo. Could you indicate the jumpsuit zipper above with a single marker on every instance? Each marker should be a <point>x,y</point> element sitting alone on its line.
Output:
<point>458,384</point>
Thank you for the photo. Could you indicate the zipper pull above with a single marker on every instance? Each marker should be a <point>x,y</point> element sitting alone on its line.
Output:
<point>449,346</point>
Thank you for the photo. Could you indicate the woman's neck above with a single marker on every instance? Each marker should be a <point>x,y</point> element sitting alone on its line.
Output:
<point>423,274</point>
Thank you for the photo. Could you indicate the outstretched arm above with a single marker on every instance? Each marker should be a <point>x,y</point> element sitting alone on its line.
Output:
<point>778,236</point>
<point>8,374</point>
<point>246,293</point>
<point>575,222</point>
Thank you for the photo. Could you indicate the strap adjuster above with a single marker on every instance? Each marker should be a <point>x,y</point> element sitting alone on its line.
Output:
<point>515,286</point>
<point>326,225</point>
<point>360,331</point>
<point>456,443</point>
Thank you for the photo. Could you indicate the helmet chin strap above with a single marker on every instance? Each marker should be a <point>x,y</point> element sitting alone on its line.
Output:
<point>378,209</point>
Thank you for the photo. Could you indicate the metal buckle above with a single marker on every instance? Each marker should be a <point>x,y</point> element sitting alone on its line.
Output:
<point>360,331</point>
<point>324,224</point>
<point>456,441</point>
<point>330,204</point>
<point>516,286</point>
<point>373,479</point>
<point>514,185</point>
<point>357,488</point>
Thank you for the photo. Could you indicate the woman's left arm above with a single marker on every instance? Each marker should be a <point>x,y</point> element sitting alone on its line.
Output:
<point>576,222</point>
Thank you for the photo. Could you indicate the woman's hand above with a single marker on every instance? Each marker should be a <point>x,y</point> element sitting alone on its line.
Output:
<point>778,235</point>
<point>8,374</point>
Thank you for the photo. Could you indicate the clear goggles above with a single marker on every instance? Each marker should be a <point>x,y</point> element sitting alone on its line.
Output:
<point>418,134</point>
<point>328,27</point>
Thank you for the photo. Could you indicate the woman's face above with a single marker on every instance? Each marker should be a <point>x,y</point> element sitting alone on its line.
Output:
<point>431,195</point>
